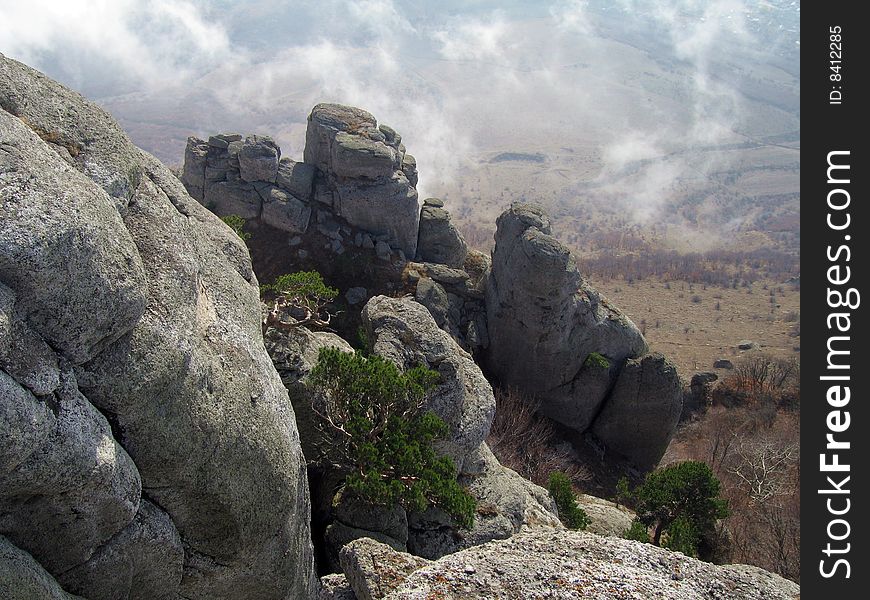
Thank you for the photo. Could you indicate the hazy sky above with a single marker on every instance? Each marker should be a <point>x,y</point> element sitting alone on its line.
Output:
<point>639,79</point>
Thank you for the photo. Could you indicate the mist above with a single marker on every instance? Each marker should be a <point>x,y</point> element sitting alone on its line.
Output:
<point>631,102</point>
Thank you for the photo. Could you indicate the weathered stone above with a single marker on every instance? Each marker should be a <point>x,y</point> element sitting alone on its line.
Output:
<point>228,198</point>
<point>383,250</point>
<point>439,241</point>
<point>409,168</point>
<point>63,248</point>
<point>374,570</point>
<point>325,122</point>
<point>433,296</point>
<point>640,415</point>
<point>296,177</point>
<point>355,512</point>
<point>355,156</point>
<point>164,335</point>
<point>193,173</point>
<point>746,345</point>
<point>22,578</point>
<point>389,207</point>
<point>258,159</point>
<point>605,518</point>
<point>142,562</point>
<point>506,504</point>
<point>404,332</point>
<point>335,587</point>
<point>544,320</point>
<point>23,353</point>
<point>723,363</point>
<point>66,486</point>
<point>551,564</point>
<point>283,211</point>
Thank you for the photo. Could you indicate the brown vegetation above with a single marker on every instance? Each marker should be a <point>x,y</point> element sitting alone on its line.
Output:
<point>750,438</point>
<point>530,444</point>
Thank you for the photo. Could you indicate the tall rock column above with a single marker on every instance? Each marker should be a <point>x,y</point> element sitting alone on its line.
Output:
<point>556,338</point>
<point>368,178</point>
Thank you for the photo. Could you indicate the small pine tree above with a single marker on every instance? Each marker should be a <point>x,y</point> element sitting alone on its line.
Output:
<point>236,223</point>
<point>623,493</point>
<point>571,515</point>
<point>687,491</point>
<point>371,413</point>
<point>304,293</point>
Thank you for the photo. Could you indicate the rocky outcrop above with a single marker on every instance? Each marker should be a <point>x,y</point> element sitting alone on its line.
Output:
<point>374,570</point>
<point>404,332</point>
<point>606,518</point>
<point>153,450</point>
<point>545,320</point>
<point>439,241</point>
<point>642,412</point>
<point>560,564</point>
<point>355,186</point>
<point>556,338</point>
<point>22,578</point>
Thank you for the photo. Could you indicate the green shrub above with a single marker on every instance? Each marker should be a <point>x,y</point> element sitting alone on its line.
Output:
<point>236,223</point>
<point>623,494</point>
<point>596,359</point>
<point>371,413</point>
<point>637,532</point>
<point>685,496</point>
<point>571,515</point>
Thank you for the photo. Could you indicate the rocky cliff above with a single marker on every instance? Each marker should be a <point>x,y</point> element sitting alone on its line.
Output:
<point>149,450</point>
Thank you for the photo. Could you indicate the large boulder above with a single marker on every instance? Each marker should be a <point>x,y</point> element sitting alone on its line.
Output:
<point>562,564</point>
<point>22,578</point>
<point>373,569</point>
<point>404,332</point>
<point>439,241</point>
<point>544,321</point>
<point>643,410</point>
<point>151,309</point>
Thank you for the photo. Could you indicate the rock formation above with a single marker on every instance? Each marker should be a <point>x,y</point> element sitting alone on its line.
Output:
<point>556,338</point>
<point>563,564</point>
<point>356,179</point>
<point>149,448</point>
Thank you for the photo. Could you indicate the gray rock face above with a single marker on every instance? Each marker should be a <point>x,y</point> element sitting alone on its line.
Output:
<point>283,211</point>
<point>365,179</point>
<point>345,141</point>
<point>373,570</point>
<point>258,159</point>
<point>22,578</point>
<point>335,587</point>
<point>296,177</point>
<point>439,241</point>
<point>145,558</point>
<point>605,517</point>
<point>544,320</point>
<point>404,332</point>
<point>150,307</point>
<point>575,564</point>
<point>643,410</point>
<point>386,207</point>
<point>506,504</point>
